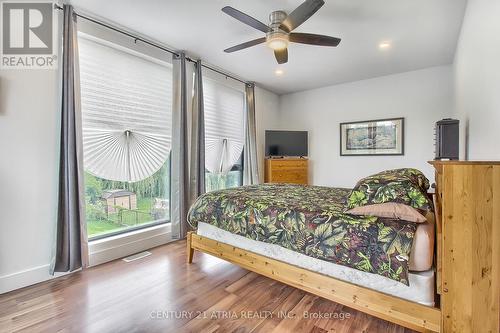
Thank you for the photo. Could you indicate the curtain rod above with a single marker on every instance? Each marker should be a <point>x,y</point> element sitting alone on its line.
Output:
<point>148,42</point>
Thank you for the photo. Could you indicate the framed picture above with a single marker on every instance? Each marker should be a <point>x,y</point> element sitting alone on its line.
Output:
<point>372,137</point>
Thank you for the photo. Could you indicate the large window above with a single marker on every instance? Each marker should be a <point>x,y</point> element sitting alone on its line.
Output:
<point>224,135</point>
<point>126,120</point>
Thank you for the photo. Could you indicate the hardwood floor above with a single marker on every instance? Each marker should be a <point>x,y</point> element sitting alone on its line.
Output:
<point>162,293</point>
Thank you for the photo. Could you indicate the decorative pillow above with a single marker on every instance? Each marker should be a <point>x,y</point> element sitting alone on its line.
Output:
<point>404,186</point>
<point>390,210</point>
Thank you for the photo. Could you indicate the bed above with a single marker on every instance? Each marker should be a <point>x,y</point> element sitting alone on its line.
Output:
<point>364,262</point>
<point>421,284</point>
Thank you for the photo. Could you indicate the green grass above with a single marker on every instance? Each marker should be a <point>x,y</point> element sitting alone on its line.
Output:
<point>144,204</point>
<point>96,227</point>
<point>128,219</point>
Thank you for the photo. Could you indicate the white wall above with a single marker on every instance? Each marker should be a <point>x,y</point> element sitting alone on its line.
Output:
<point>28,175</point>
<point>421,97</point>
<point>477,79</point>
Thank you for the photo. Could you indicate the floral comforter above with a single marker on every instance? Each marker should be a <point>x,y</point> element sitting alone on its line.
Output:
<point>310,220</point>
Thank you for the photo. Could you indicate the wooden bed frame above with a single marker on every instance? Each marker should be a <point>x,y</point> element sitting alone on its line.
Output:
<point>406,313</point>
<point>460,310</point>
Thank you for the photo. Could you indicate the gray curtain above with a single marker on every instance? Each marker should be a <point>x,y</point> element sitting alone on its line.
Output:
<point>179,159</point>
<point>197,144</point>
<point>250,163</point>
<point>71,251</point>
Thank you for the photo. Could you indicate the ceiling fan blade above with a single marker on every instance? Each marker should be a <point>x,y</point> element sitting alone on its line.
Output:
<point>301,14</point>
<point>281,56</point>
<point>313,39</point>
<point>242,17</point>
<point>245,45</point>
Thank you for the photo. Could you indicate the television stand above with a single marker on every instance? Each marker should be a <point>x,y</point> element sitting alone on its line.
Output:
<point>293,170</point>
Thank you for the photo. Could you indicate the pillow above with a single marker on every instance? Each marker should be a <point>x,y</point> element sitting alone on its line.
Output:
<point>390,210</point>
<point>422,250</point>
<point>404,186</point>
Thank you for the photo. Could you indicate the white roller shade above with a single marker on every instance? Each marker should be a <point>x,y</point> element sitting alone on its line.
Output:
<point>224,125</point>
<point>126,111</point>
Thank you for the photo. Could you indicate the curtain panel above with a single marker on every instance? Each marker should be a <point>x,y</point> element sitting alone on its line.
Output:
<point>182,76</point>
<point>71,248</point>
<point>250,163</point>
<point>197,144</point>
<point>188,141</point>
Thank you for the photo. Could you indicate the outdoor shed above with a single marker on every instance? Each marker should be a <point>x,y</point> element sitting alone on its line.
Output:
<point>118,198</point>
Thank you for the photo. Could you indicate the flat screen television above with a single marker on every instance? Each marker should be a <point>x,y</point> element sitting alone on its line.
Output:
<point>286,143</point>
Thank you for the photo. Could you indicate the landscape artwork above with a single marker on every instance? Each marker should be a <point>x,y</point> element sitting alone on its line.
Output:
<point>372,137</point>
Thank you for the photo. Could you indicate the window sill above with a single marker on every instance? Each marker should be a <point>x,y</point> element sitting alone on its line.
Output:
<point>119,246</point>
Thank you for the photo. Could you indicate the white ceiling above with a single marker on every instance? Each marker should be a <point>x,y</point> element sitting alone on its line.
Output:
<point>422,34</point>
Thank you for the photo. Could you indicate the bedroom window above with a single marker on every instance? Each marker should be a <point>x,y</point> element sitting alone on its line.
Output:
<point>126,122</point>
<point>224,135</point>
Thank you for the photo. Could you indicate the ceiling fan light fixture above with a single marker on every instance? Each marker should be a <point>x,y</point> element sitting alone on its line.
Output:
<point>384,45</point>
<point>277,40</point>
<point>280,30</point>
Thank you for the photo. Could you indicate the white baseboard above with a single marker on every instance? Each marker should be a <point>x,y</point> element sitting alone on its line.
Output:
<point>26,278</point>
<point>100,251</point>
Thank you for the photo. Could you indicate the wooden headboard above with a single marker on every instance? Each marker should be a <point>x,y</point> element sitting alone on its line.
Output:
<point>467,210</point>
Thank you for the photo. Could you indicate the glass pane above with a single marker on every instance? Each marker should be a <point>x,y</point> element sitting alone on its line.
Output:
<point>113,206</point>
<point>126,124</point>
<point>224,126</point>
<point>219,181</point>
<point>224,135</point>
<point>214,181</point>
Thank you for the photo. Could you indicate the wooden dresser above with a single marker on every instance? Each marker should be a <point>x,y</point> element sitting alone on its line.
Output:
<point>286,170</point>
<point>468,239</point>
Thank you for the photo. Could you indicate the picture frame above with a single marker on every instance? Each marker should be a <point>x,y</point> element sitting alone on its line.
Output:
<point>378,137</point>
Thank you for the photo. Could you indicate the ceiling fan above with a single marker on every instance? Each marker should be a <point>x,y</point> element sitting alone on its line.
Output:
<point>279,31</point>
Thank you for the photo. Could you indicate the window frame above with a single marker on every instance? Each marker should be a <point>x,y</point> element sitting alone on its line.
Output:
<point>127,230</point>
<point>145,225</point>
<point>241,166</point>
<point>96,34</point>
<point>238,86</point>
<point>236,167</point>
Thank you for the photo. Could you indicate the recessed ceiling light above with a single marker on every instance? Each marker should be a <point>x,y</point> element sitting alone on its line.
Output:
<point>384,45</point>
<point>278,72</point>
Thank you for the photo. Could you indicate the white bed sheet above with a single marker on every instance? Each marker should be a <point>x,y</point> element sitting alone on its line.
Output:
<point>421,289</point>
